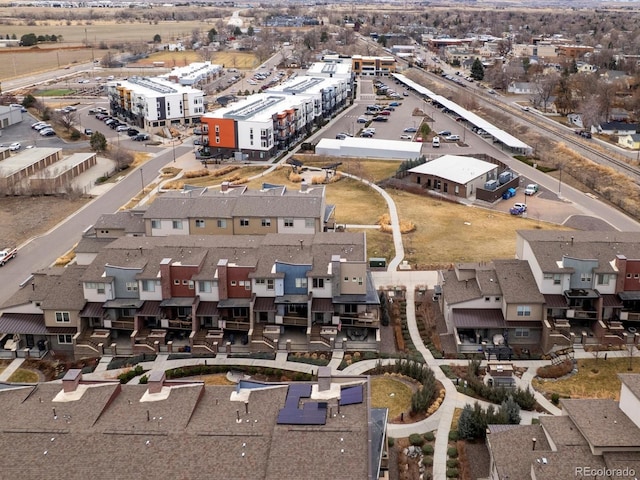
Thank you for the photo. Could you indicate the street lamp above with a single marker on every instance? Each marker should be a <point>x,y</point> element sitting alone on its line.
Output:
<point>173,148</point>
<point>560,179</point>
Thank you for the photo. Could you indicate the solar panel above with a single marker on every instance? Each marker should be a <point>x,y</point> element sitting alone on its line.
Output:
<point>351,395</point>
<point>311,413</point>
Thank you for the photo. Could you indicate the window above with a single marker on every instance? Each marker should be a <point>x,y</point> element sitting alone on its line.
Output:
<point>65,339</point>
<point>522,332</point>
<point>266,222</point>
<point>270,284</point>
<point>524,311</point>
<point>487,299</point>
<point>346,279</point>
<point>260,281</point>
<point>233,283</point>
<point>222,223</point>
<point>100,288</point>
<point>288,222</point>
<point>309,223</point>
<point>556,279</point>
<point>199,223</point>
<point>244,222</point>
<point>247,286</point>
<point>628,275</point>
<point>62,317</point>
<point>148,285</point>
<point>548,276</point>
<point>350,308</point>
<point>155,224</point>
<point>585,277</point>
<point>360,280</point>
<point>185,282</point>
<point>176,282</point>
<point>177,224</point>
<point>602,279</point>
<point>318,283</point>
<point>91,285</point>
<point>204,286</point>
<point>497,299</point>
<point>131,286</point>
<point>192,284</point>
<point>240,312</point>
<point>301,283</point>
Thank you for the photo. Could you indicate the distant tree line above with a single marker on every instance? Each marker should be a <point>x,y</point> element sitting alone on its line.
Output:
<point>31,39</point>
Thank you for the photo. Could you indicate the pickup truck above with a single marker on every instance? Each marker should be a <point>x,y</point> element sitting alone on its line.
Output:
<point>7,254</point>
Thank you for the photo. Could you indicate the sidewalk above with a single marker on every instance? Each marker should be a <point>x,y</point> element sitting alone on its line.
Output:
<point>13,366</point>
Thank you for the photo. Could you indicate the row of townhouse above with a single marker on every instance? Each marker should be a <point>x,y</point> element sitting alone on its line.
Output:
<point>262,124</point>
<point>202,294</point>
<point>562,288</point>
<point>155,103</point>
<point>232,210</point>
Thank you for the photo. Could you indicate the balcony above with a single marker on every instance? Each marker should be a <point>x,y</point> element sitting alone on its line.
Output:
<point>293,320</point>
<point>237,324</point>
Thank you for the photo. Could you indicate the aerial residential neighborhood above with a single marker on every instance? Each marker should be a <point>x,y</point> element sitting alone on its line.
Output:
<point>371,241</point>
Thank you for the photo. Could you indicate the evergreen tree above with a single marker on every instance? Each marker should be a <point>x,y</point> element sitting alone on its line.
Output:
<point>98,142</point>
<point>477,70</point>
<point>510,411</point>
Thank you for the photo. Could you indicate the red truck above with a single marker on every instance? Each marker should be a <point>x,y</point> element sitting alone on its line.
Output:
<point>7,254</point>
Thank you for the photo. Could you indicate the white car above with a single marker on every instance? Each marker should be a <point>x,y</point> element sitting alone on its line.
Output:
<point>405,137</point>
<point>452,138</point>
<point>15,146</point>
<point>122,128</point>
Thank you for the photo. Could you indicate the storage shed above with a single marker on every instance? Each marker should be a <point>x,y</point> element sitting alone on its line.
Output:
<point>369,148</point>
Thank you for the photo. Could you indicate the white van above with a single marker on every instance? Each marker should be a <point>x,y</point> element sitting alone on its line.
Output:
<point>435,143</point>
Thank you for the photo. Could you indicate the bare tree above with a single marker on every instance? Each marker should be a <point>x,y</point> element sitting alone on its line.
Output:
<point>66,119</point>
<point>545,86</point>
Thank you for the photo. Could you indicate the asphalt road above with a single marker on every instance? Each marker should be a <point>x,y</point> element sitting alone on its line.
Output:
<point>44,250</point>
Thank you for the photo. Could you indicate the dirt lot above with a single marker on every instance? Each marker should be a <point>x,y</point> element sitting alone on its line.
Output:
<point>22,218</point>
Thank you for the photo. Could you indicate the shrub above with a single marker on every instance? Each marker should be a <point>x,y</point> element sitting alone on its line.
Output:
<point>416,439</point>
<point>427,461</point>
<point>555,371</point>
<point>452,473</point>
<point>452,452</point>
<point>555,398</point>
<point>453,436</point>
<point>144,379</point>
<point>392,441</point>
<point>429,436</point>
<point>452,463</point>
<point>427,449</point>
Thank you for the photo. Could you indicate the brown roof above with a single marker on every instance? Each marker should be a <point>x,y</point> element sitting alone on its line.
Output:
<point>264,304</point>
<point>194,432</point>
<point>22,323</point>
<point>455,291</point>
<point>129,221</point>
<point>478,318</point>
<point>512,449</point>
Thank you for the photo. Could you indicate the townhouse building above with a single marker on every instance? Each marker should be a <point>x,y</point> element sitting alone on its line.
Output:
<point>593,438</point>
<point>240,211</point>
<point>194,74</point>
<point>205,294</point>
<point>155,103</point>
<point>562,289</point>
<point>80,428</point>
<point>366,65</point>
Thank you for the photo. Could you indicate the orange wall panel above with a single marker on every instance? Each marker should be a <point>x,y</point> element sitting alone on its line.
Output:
<point>226,132</point>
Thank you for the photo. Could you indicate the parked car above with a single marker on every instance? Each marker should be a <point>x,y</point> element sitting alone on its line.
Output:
<point>132,132</point>
<point>42,126</point>
<point>380,118</point>
<point>405,136</point>
<point>47,132</point>
<point>518,209</point>
<point>435,143</point>
<point>418,139</point>
<point>385,112</point>
<point>444,133</point>
<point>394,104</point>
<point>88,131</point>
<point>389,109</point>
<point>363,119</point>
<point>410,130</point>
<point>141,137</point>
<point>452,138</point>
<point>366,134</point>
<point>531,189</point>
<point>15,146</point>
<point>405,94</point>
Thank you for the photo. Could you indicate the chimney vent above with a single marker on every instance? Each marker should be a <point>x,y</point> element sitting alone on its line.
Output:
<point>71,380</point>
<point>324,378</point>
<point>156,381</point>
<point>533,441</point>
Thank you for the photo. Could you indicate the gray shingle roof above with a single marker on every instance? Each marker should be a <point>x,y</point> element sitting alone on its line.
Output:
<point>109,433</point>
<point>550,246</point>
<point>602,423</point>
<point>276,202</point>
<point>517,282</point>
<point>129,221</point>
<point>632,382</point>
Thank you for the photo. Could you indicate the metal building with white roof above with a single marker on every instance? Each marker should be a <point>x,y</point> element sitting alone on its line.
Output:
<point>369,148</point>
